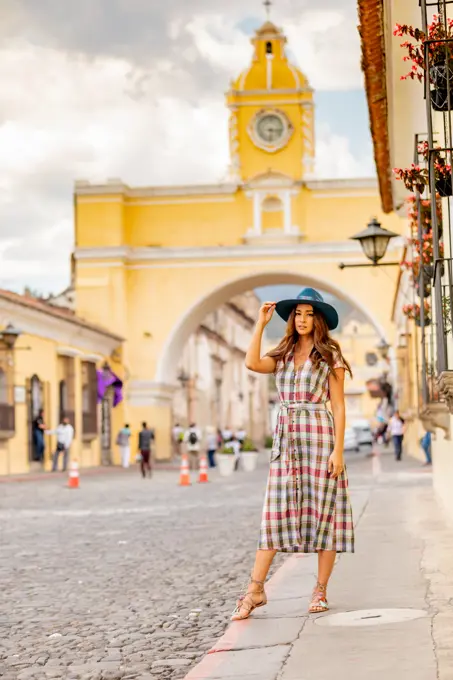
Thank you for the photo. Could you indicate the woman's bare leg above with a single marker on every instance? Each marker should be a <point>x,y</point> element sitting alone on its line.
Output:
<point>326,562</point>
<point>263,561</point>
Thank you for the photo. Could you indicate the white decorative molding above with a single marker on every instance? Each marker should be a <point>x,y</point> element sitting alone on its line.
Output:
<point>69,332</point>
<point>299,91</point>
<point>296,76</point>
<point>68,352</point>
<point>200,190</point>
<point>269,60</point>
<point>346,184</point>
<point>239,252</point>
<point>270,180</point>
<point>150,393</point>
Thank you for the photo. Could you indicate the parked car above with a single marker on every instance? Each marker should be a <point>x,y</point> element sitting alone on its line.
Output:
<point>351,442</point>
<point>363,432</point>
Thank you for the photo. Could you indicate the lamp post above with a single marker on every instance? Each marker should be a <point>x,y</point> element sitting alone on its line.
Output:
<point>374,241</point>
<point>383,348</point>
<point>187,384</point>
<point>9,336</point>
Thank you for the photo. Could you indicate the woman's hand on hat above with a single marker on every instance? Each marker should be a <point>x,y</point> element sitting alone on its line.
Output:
<point>266,312</point>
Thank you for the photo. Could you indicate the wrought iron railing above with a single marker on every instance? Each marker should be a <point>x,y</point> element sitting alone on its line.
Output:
<point>438,91</point>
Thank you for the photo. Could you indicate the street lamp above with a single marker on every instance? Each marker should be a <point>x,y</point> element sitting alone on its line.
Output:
<point>383,348</point>
<point>374,241</point>
<point>9,335</point>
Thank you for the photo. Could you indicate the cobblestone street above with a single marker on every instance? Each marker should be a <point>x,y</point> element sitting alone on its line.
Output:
<point>128,577</point>
<point>123,578</point>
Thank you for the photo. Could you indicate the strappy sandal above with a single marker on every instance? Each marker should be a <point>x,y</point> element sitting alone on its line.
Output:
<point>247,603</point>
<point>319,602</point>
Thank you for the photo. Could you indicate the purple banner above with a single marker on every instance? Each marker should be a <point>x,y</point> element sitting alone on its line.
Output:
<point>108,379</point>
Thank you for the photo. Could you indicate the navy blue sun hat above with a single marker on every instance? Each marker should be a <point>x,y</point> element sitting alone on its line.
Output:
<point>309,296</point>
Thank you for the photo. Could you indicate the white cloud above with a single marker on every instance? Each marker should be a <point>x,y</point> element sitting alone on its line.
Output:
<point>327,47</point>
<point>334,158</point>
<point>65,115</point>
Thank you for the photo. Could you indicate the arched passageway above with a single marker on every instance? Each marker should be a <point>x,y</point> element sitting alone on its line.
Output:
<point>194,315</point>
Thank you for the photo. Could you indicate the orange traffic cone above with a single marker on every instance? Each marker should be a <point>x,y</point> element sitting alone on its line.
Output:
<point>184,478</point>
<point>73,482</point>
<point>203,470</point>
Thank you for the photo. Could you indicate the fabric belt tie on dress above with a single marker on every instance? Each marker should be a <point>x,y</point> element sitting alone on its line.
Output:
<point>285,408</point>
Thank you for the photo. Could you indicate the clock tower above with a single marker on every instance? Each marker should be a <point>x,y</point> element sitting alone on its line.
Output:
<point>271,123</point>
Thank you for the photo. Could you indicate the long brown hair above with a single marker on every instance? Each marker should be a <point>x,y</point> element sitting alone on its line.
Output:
<point>325,348</point>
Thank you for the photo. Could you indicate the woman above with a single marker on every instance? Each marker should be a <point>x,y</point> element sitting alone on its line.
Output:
<point>307,507</point>
<point>397,430</point>
<point>211,445</point>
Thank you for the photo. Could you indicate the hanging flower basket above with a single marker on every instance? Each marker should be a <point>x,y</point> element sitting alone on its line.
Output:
<point>413,312</point>
<point>440,58</point>
<point>441,99</point>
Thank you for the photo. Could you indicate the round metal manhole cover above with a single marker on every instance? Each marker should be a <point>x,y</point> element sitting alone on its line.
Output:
<point>370,617</point>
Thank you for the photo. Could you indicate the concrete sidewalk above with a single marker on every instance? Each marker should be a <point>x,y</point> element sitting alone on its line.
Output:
<point>398,588</point>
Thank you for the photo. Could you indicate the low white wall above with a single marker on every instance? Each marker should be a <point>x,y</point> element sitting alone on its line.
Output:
<point>443,471</point>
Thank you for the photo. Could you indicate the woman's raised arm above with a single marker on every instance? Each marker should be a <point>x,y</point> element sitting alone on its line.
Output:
<point>253,359</point>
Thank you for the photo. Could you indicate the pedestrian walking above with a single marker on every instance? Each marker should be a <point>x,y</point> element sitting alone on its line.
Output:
<point>177,435</point>
<point>241,435</point>
<point>123,443</point>
<point>38,429</point>
<point>219,438</point>
<point>192,439</point>
<point>211,445</point>
<point>425,443</point>
<point>145,439</point>
<point>306,507</point>
<point>235,444</point>
<point>227,433</point>
<point>65,435</point>
<point>397,430</point>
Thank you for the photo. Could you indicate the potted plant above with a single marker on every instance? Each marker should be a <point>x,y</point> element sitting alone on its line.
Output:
<point>439,61</point>
<point>249,455</point>
<point>413,312</point>
<point>416,178</point>
<point>225,460</point>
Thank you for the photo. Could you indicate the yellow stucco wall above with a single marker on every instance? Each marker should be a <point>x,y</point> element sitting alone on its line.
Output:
<point>325,215</point>
<point>39,355</point>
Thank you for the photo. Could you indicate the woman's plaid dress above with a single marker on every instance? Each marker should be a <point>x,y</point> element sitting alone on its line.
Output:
<point>305,509</point>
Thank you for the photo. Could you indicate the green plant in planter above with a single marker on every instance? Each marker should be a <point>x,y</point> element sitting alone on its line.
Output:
<point>248,445</point>
<point>227,449</point>
<point>268,441</point>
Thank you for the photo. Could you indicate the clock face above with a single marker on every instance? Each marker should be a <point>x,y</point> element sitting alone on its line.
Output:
<point>270,128</point>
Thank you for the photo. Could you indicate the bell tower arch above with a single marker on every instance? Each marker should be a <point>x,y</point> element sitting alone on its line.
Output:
<point>271,113</point>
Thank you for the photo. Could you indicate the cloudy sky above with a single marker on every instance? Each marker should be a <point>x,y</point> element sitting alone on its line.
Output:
<point>135,89</point>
